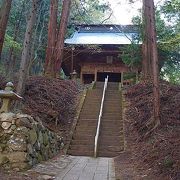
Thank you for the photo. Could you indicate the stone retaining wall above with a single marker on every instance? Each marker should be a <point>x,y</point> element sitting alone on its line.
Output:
<point>25,142</point>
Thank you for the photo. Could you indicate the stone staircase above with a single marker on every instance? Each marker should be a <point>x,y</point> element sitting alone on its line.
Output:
<point>111,140</point>
<point>83,137</point>
<point>111,131</point>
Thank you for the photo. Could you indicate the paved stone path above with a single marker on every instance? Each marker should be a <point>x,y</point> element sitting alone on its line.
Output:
<point>76,168</point>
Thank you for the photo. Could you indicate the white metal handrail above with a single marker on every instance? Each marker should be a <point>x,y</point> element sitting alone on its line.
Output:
<point>99,119</point>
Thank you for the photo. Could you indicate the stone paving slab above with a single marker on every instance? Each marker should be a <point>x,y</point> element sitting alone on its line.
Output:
<point>76,168</point>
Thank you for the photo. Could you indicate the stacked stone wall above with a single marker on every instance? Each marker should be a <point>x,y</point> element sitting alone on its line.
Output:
<point>24,141</point>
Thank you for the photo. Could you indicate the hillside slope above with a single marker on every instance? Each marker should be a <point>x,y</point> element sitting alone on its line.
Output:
<point>154,155</point>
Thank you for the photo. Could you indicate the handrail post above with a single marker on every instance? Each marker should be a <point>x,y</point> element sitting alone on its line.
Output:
<point>99,119</point>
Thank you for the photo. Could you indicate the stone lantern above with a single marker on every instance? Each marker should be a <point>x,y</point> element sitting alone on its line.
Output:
<point>74,75</point>
<point>7,95</point>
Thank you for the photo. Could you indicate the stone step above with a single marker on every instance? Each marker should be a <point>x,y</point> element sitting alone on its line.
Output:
<point>92,101</point>
<point>113,92</point>
<point>90,113</point>
<point>112,96</point>
<point>112,105</point>
<point>111,133</point>
<point>115,141</point>
<point>94,95</point>
<point>90,116</point>
<point>85,126</point>
<point>94,91</point>
<point>111,125</point>
<point>107,107</point>
<point>112,119</point>
<point>109,114</point>
<point>85,122</point>
<point>88,121</point>
<point>85,130</point>
<point>87,114</point>
<point>84,137</point>
<point>82,147</point>
<point>112,128</point>
<point>113,110</point>
<point>107,153</point>
<point>94,109</point>
<point>83,142</point>
<point>81,153</point>
<point>93,105</point>
<point>110,148</point>
<point>111,137</point>
<point>93,98</point>
<point>112,101</point>
<point>116,117</point>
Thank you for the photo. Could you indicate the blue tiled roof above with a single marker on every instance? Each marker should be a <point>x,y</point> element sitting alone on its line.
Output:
<point>100,38</point>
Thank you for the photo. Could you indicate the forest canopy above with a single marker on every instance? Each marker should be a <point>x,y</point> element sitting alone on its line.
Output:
<point>86,12</point>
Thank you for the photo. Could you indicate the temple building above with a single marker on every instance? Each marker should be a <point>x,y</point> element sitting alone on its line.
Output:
<point>94,51</point>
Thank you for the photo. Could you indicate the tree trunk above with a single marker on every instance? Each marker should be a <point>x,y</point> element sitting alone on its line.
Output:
<point>54,52</point>
<point>155,68</point>
<point>151,70</point>
<point>52,35</point>
<point>11,59</point>
<point>61,36</point>
<point>37,37</point>
<point>26,48</point>
<point>4,16</point>
<point>147,66</point>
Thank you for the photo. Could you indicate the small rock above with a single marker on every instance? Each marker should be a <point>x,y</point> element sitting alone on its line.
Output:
<point>32,136</point>
<point>45,138</point>
<point>46,177</point>
<point>20,166</point>
<point>37,146</point>
<point>13,127</point>
<point>29,149</point>
<point>10,130</point>
<point>22,130</point>
<point>40,137</point>
<point>23,122</point>
<point>7,117</point>
<point>6,125</point>
<point>17,142</point>
<point>17,157</point>
<point>39,157</point>
<point>2,147</point>
<point>13,121</point>
<point>3,159</point>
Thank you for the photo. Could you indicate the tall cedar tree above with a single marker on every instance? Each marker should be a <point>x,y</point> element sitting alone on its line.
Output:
<point>52,34</point>
<point>12,57</point>
<point>151,56</point>
<point>25,57</point>
<point>54,52</point>
<point>4,16</point>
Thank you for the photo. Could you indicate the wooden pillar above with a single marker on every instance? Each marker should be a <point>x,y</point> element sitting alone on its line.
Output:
<point>95,75</point>
<point>72,59</point>
<point>122,79</point>
<point>81,77</point>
